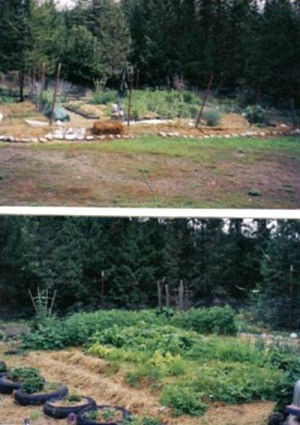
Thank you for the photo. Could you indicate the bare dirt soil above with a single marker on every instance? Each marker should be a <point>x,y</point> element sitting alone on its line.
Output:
<point>96,378</point>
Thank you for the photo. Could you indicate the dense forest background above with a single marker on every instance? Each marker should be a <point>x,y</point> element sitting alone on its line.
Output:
<point>243,263</point>
<point>245,44</point>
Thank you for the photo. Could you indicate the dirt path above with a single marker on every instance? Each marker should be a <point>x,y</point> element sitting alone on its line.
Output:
<point>95,377</point>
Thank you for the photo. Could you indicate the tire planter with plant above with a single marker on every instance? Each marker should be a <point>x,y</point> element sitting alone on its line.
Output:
<point>62,410</point>
<point>30,398</point>
<point>3,368</point>
<point>13,379</point>
<point>103,415</point>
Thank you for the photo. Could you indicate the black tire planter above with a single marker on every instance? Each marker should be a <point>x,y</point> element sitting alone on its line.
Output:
<point>62,412</point>
<point>81,420</point>
<point>37,399</point>
<point>7,386</point>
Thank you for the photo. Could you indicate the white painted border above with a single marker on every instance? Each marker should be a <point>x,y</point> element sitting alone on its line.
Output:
<point>152,212</point>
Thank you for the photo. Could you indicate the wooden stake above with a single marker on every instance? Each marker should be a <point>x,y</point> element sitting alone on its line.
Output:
<point>130,98</point>
<point>55,93</point>
<point>102,289</point>
<point>181,295</point>
<point>294,116</point>
<point>159,294</point>
<point>137,79</point>
<point>167,289</point>
<point>255,102</point>
<point>205,99</point>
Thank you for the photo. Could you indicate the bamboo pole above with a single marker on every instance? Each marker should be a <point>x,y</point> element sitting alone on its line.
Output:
<point>167,289</point>
<point>205,99</point>
<point>55,93</point>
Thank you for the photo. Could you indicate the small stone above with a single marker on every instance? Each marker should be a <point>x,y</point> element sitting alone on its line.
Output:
<point>118,136</point>
<point>227,136</point>
<point>191,137</point>
<point>185,136</point>
<point>89,138</point>
<point>162,134</point>
<point>10,139</point>
<point>70,136</point>
<point>34,140</point>
<point>49,137</point>
<point>176,134</point>
<point>110,136</point>
<point>293,335</point>
<point>262,134</point>
<point>206,136</point>
<point>42,140</point>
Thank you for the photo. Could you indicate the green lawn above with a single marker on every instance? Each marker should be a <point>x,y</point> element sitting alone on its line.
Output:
<point>154,172</point>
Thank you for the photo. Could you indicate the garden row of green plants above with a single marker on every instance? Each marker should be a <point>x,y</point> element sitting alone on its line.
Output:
<point>190,359</point>
<point>172,104</point>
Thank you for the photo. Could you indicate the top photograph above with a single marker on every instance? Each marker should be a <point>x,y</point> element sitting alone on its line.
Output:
<point>150,103</point>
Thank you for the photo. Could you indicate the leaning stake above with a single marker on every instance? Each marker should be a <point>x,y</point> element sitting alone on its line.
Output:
<point>205,99</point>
<point>55,93</point>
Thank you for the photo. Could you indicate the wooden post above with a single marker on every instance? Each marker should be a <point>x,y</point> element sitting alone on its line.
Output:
<point>291,296</point>
<point>130,97</point>
<point>181,295</point>
<point>42,83</point>
<point>55,93</point>
<point>102,289</point>
<point>204,100</point>
<point>159,294</point>
<point>294,116</point>
<point>255,102</point>
<point>137,79</point>
<point>167,289</point>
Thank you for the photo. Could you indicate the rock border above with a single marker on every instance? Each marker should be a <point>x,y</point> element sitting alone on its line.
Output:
<point>68,137</point>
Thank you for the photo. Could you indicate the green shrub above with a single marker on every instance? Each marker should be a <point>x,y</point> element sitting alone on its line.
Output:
<point>104,97</point>
<point>152,374</point>
<point>182,400</point>
<point>259,116</point>
<point>213,118</point>
<point>218,320</point>
<point>236,382</point>
<point>226,349</point>
<point>33,384</point>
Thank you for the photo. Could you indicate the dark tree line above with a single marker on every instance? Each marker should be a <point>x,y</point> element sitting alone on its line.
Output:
<point>217,263</point>
<point>243,43</point>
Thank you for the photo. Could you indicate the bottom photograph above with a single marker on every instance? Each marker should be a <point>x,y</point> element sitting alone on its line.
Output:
<point>149,321</point>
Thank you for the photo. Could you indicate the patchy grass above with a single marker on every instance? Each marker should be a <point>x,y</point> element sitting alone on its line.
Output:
<point>206,173</point>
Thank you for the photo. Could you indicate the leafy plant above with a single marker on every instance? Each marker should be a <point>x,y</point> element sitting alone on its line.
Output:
<point>212,118</point>
<point>218,320</point>
<point>33,384</point>
<point>183,400</point>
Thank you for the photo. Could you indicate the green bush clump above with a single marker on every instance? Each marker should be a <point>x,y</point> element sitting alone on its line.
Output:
<point>145,337</point>
<point>217,320</point>
<point>259,115</point>
<point>236,382</point>
<point>182,400</point>
<point>78,328</point>
<point>227,349</point>
<point>103,97</point>
<point>213,118</point>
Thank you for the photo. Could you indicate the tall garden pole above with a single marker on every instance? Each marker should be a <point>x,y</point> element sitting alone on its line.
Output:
<point>181,295</point>
<point>205,99</point>
<point>159,294</point>
<point>130,97</point>
<point>255,102</point>
<point>291,295</point>
<point>55,93</point>
<point>167,295</point>
<point>102,289</point>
